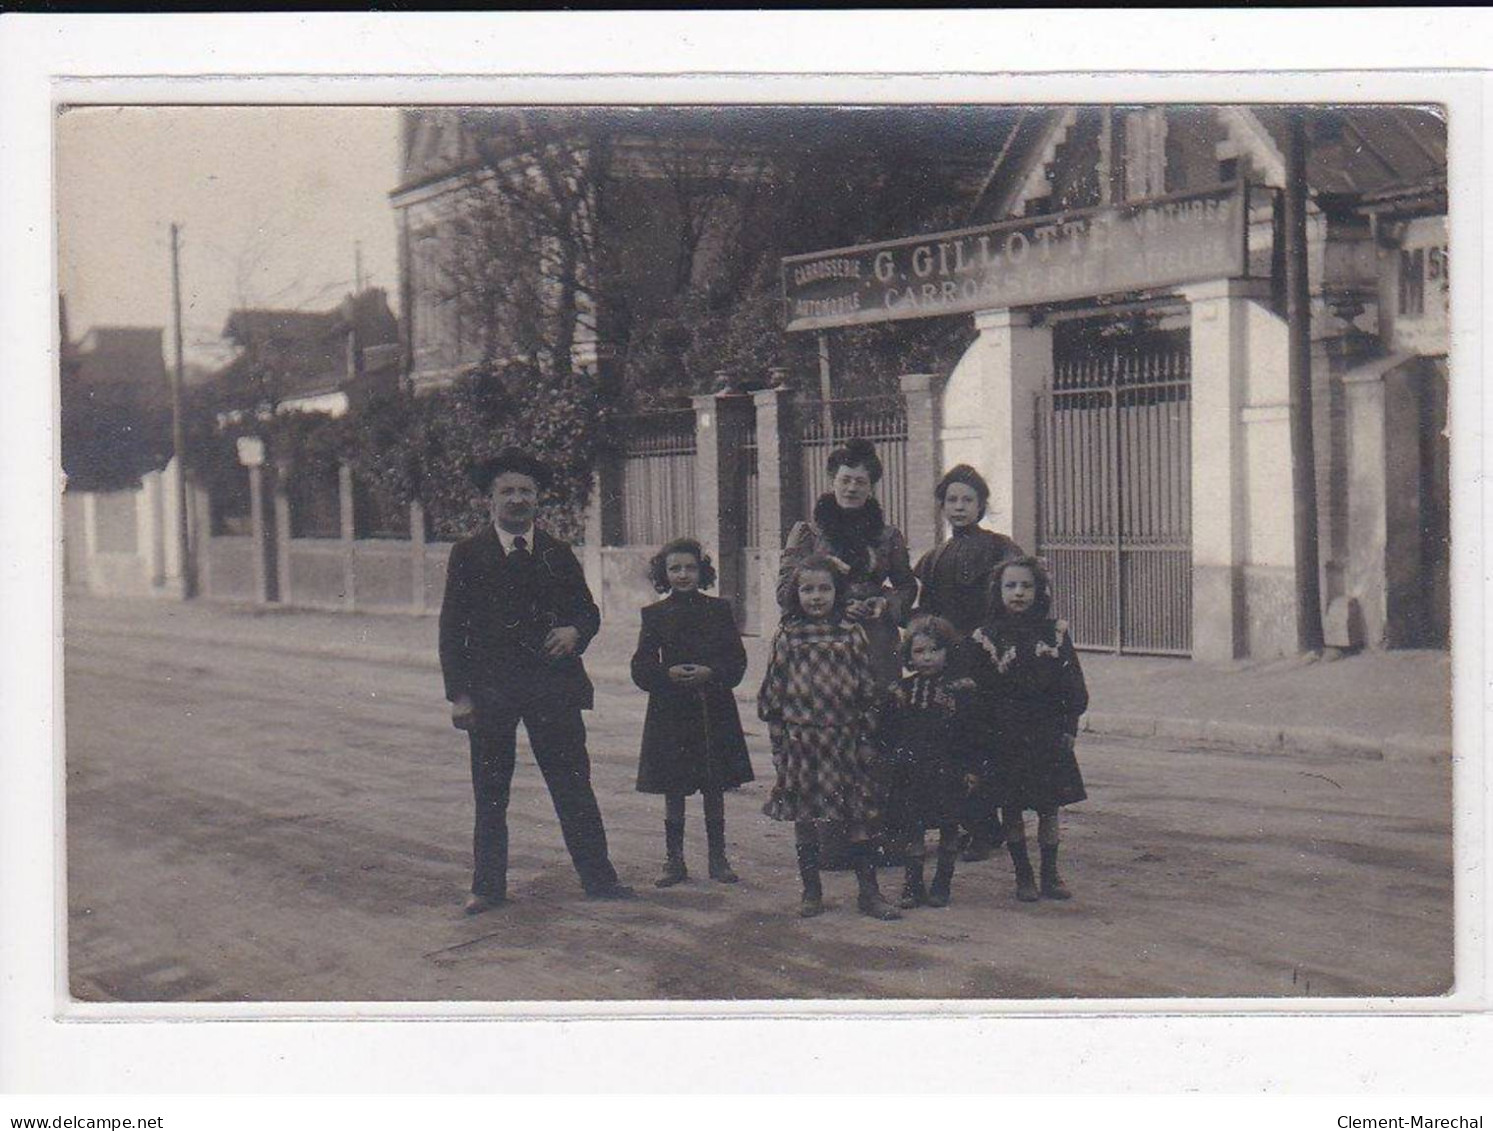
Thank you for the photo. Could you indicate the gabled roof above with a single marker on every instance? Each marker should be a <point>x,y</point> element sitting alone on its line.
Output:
<point>1357,150</point>
<point>307,351</point>
<point>1366,149</point>
<point>122,358</point>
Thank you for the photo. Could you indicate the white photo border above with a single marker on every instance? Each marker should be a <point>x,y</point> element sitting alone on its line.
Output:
<point>1130,1045</point>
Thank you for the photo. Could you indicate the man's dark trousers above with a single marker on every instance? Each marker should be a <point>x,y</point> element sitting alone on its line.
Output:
<point>558,738</point>
<point>497,613</point>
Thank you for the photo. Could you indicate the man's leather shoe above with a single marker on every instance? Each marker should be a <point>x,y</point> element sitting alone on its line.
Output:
<point>477,904</point>
<point>613,890</point>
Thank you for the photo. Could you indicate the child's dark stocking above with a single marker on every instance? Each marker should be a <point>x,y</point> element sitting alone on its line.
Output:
<point>980,817</point>
<point>1047,840</point>
<point>1026,882</point>
<point>870,900</point>
<point>943,875</point>
<point>715,836</point>
<point>913,892</point>
<point>806,843</point>
<point>674,870</point>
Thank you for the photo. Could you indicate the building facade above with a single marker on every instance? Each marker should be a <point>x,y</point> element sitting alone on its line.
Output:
<point>1126,392</point>
<point>1138,436</point>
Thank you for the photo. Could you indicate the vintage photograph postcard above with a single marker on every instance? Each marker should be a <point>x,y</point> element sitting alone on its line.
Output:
<point>654,549</point>
<point>980,552</point>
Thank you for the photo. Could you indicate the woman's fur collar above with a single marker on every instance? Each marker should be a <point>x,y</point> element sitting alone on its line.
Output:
<point>849,528</point>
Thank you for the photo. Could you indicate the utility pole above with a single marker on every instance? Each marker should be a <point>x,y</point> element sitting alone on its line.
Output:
<point>1303,448</point>
<point>178,444</point>
<point>826,389</point>
<point>358,267</point>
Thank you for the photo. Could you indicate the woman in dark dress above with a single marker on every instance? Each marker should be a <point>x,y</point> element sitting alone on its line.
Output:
<point>955,575</point>
<point>688,659</point>
<point>955,581</point>
<point>848,526</point>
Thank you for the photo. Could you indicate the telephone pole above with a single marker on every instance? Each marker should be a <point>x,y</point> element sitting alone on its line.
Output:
<point>178,445</point>
<point>826,391</point>
<point>1309,635</point>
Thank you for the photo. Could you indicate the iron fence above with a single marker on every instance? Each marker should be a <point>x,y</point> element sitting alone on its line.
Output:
<point>1115,496</point>
<point>658,477</point>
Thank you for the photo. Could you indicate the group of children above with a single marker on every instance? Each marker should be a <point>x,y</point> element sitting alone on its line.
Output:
<point>990,715</point>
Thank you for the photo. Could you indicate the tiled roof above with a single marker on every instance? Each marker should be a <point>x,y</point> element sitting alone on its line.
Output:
<point>1366,148</point>
<point>123,357</point>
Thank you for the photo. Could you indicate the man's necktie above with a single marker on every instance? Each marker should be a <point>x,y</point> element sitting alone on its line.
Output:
<point>521,547</point>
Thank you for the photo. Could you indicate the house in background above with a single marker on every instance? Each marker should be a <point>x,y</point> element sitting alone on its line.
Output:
<point>1136,431</point>
<point>1131,411</point>
<point>677,199</point>
<point>312,361</point>
<point>120,506</point>
<point>119,503</point>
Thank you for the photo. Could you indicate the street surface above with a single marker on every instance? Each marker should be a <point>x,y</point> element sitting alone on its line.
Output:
<point>248,826</point>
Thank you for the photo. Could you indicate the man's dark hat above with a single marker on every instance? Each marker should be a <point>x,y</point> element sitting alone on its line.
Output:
<point>509,459</point>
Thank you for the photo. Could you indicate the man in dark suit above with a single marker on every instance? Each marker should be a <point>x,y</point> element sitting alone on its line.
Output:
<point>516,617</point>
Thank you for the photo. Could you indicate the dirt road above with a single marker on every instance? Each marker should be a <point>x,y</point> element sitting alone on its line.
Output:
<point>249,826</point>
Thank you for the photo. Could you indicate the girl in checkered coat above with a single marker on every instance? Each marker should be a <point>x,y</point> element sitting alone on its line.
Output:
<point>817,699</point>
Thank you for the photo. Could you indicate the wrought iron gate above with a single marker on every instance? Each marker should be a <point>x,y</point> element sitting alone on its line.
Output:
<point>1114,482</point>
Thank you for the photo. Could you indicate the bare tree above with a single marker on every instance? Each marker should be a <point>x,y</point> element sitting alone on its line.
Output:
<point>539,247</point>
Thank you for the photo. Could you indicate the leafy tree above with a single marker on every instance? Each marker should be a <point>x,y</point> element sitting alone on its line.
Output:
<point>112,433</point>
<point>109,443</point>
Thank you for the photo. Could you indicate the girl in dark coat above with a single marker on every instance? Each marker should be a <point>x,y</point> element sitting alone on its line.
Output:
<point>1030,696</point>
<point>688,659</point>
<point>924,724</point>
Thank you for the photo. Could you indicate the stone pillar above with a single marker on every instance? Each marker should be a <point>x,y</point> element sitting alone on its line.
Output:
<point>924,459</point>
<point>202,510</point>
<point>152,527</point>
<point>721,424</point>
<point>90,541</point>
<point>283,592</point>
<point>1386,573</point>
<point>1368,509</point>
<point>1220,518</point>
<point>417,556</point>
<point>259,535</point>
<point>603,523</point>
<point>779,491</point>
<point>349,537</point>
<point>1015,364</point>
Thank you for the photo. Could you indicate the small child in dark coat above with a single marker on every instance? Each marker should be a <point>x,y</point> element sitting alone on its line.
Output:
<point>922,721</point>
<point>688,659</point>
<point>1030,696</point>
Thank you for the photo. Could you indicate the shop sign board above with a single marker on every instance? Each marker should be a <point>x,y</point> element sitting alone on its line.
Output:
<point>1139,245</point>
<point>1420,287</point>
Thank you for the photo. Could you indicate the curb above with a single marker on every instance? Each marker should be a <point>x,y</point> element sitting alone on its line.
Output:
<point>1216,734</point>
<point>1213,734</point>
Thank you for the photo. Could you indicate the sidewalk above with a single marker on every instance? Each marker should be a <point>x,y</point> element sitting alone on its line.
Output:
<point>1380,705</point>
